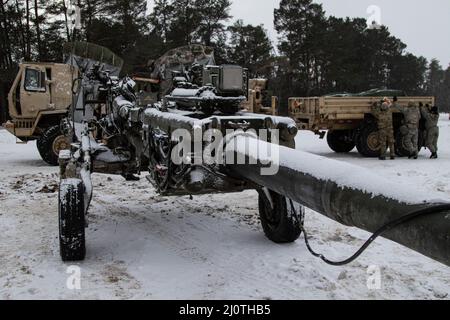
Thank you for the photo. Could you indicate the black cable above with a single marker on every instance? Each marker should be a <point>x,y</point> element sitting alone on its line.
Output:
<point>389,226</point>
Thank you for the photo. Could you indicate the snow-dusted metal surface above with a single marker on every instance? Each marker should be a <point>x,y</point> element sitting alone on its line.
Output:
<point>343,174</point>
<point>348,194</point>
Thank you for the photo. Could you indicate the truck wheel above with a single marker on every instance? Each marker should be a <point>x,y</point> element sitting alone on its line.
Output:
<point>51,143</point>
<point>71,220</point>
<point>280,223</point>
<point>341,141</point>
<point>367,141</point>
<point>422,139</point>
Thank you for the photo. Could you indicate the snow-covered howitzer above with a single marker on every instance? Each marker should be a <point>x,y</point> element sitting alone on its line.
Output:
<point>210,89</point>
<point>187,152</point>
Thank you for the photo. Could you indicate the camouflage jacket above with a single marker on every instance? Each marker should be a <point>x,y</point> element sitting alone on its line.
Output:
<point>412,115</point>
<point>384,117</point>
<point>431,119</point>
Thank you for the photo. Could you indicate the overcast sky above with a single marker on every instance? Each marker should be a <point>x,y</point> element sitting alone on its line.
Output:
<point>423,25</point>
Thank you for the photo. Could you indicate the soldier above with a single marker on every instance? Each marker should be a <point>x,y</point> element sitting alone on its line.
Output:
<point>410,129</point>
<point>383,113</point>
<point>431,116</point>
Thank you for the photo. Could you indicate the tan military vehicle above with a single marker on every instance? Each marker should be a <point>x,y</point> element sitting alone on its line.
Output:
<point>41,96</point>
<point>38,100</point>
<point>259,99</point>
<point>349,121</point>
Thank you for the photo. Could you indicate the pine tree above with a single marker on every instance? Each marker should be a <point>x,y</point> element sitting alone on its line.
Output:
<point>407,73</point>
<point>444,97</point>
<point>213,14</point>
<point>250,47</point>
<point>300,25</point>
<point>435,77</point>
<point>181,22</point>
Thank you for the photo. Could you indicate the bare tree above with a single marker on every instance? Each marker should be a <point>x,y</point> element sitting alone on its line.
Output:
<point>28,42</point>
<point>21,28</point>
<point>38,29</point>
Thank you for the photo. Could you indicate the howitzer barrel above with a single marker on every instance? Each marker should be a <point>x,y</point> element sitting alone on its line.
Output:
<point>351,195</point>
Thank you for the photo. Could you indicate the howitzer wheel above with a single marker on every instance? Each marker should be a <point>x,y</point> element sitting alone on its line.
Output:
<point>281,223</point>
<point>71,220</point>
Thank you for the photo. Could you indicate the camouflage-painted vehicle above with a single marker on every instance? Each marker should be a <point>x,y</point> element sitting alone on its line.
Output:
<point>41,95</point>
<point>349,121</point>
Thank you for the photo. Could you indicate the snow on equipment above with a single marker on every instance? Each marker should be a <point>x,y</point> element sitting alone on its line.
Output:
<point>195,141</point>
<point>41,95</point>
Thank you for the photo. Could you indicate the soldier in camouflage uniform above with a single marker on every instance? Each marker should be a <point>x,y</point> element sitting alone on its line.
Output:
<point>410,129</point>
<point>383,113</point>
<point>431,116</point>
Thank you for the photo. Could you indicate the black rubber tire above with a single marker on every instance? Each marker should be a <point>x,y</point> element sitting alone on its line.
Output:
<point>365,139</point>
<point>280,224</point>
<point>72,243</point>
<point>341,141</point>
<point>422,139</point>
<point>45,145</point>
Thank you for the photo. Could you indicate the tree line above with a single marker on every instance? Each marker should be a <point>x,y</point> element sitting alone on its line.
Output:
<point>316,54</point>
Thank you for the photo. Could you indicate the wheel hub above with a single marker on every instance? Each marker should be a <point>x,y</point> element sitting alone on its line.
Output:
<point>373,142</point>
<point>60,143</point>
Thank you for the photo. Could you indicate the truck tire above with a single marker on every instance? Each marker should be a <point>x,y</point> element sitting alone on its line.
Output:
<point>341,141</point>
<point>50,144</point>
<point>71,220</point>
<point>367,141</point>
<point>281,224</point>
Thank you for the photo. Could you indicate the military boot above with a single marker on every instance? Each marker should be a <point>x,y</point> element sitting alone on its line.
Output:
<point>434,156</point>
<point>414,156</point>
<point>382,158</point>
<point>130,177</point>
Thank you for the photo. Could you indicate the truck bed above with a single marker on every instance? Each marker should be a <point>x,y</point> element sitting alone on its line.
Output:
<point>338,113</point>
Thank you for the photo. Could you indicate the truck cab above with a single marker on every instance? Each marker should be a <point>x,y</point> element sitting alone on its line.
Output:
<point>39,98</point>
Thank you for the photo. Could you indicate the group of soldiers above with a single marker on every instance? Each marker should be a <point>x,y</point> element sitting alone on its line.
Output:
<point>413,113</point>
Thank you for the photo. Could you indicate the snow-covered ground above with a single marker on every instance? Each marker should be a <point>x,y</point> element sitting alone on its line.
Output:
<point>141,245</point>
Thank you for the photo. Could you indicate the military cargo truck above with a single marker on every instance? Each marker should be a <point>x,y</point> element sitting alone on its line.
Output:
<point>41,95</point>
<point>349,121</point>
<point>38,100</point>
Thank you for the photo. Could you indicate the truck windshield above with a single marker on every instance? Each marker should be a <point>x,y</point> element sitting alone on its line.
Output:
<point>34,80</point>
